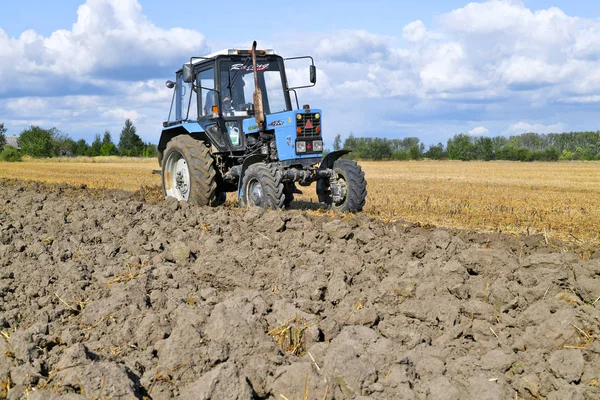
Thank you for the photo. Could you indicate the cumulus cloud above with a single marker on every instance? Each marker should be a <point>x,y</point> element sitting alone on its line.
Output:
<point>493,50</point>
<point>480,130</point>
<point>496,60</point>
<point>121,114</point>
<point>583,99</point>
<point>415,31</point>
<point>352,46</point>
<point>108,38</point>
<point>525,127</point>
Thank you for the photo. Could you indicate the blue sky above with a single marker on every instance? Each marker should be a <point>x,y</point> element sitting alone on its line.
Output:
<point>386,68</point>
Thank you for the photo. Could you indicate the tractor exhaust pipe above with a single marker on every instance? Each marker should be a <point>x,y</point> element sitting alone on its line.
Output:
<point>258,104</point>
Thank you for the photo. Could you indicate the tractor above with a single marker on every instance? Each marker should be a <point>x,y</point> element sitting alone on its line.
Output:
<point>232,127</point>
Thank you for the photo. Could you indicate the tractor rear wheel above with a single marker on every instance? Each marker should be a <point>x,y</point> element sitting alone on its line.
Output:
<point>262,187</point>
<point>188,172</point>
<point>347,193</point>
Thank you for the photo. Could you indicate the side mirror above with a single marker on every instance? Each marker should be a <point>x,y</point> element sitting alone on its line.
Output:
<point>170,84</point>
<point>188,73</point>
<point>313,74</point>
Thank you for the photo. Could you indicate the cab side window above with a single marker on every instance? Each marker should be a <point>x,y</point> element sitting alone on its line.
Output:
<point>206,81</point>
<point>189,102</point>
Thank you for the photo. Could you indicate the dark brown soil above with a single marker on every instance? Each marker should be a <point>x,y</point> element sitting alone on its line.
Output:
<point>106,295</point>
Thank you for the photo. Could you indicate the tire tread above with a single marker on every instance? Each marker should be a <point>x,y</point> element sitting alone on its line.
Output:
<point>270,178</point>
<point>356,183</point>
<point>201,167</point>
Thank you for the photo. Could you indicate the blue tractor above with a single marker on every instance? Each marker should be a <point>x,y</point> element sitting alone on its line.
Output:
<point>232,127</point>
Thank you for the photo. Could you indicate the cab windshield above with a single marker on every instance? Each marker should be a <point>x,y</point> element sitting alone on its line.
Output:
<point>237,85</point>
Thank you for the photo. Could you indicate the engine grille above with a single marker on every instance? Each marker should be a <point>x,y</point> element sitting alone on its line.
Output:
<point>310,120</point>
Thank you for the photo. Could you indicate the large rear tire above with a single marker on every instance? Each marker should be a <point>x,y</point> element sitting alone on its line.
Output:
<point>262,187</point>
<point>188,172</point>
<point>350,184</point>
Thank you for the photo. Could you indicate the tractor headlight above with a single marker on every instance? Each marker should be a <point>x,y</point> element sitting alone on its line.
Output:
<point>318,146</point>
<point>300,147</point>
<point>298,117</point>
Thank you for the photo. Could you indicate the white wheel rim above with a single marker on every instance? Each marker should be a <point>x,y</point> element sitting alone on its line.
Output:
<point>255,193</point>
<point>343,187</point>
<point>177,176</point>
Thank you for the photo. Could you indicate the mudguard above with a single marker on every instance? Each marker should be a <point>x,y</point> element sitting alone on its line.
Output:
<point>330,158</point>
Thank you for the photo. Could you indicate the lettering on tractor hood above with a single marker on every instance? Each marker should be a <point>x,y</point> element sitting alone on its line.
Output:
<point>277,123</point>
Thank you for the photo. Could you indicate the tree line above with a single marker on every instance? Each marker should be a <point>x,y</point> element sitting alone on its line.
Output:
<point>525,147</point>
<point>39,142</point>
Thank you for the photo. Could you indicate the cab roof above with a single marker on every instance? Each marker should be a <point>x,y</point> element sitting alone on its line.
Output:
<point>229,52</point>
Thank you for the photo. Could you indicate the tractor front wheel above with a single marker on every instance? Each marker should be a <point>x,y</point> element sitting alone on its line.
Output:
<point>188,172</point>
<point>348,191</point>
<point>262,187</point>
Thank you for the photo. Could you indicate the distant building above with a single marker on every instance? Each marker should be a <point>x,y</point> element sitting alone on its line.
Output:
<point>13,141</point>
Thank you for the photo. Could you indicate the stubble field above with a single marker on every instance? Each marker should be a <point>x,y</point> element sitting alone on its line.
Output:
<point>556,200</point>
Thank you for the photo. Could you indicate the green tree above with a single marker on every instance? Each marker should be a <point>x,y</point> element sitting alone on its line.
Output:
<point>130,144</point>
<point>551,154</point>
<point>337,142</point>
<point>435,152</point>
<point>108,148</point>
<point>378,148</point>
<point>415,152</point>
<point>150,150</point>
<point>81,148</point>
<point>2,136</point>
<point>460,147</point>
<point>106,138</point>
<point>10,154</point>
<point>95,148</point>
<point>37,142</point>
<point>400,155</point>
<point>484,148</point>
<point>63,144</point>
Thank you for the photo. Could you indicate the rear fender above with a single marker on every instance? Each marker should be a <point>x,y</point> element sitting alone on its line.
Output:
<point>184,129</point>
<point>330,158</point>
<point>193,129</point>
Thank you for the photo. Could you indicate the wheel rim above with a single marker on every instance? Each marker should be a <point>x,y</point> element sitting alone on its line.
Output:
<point>255,193</point>
<point>342,190</point>
<point>177,176</point>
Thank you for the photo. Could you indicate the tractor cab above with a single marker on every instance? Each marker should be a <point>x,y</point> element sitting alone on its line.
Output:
<point>216,92</point>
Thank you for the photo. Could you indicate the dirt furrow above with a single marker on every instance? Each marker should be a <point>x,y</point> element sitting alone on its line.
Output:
<point>106,295</point>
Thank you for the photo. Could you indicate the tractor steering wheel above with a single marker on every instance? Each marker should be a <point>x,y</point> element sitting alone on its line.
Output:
<point>228,105</point>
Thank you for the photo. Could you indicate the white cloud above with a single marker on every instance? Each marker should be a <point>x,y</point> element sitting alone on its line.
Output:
<point>525,127</point>
<point>352,46</point>
<point>109,35</point>
<point>583,99</point>
<point>121,114</point>
<point>494,61</point>
<point>493,50</point>
<point>415,31</point>
<point>24,106</point>
<point>480,130</point>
